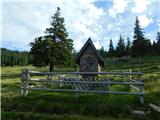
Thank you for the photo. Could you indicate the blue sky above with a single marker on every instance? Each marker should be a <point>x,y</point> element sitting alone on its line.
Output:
<point>101,20</point>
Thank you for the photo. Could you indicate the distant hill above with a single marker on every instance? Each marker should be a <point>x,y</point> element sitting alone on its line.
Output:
<point>14,57</point>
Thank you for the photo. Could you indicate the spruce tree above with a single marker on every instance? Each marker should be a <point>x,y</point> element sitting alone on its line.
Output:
<point>55,48</point>
<point>42,51</point>
<point>128,47</point>
<point>102,52</point>
<point>148,47</point>
<point>111,49</point>
<point>154,48</point>
<point>139,43</point>
<point>158,44</point>
<point>58,33</point>
<point>11,58</point>
<point>120,49</point>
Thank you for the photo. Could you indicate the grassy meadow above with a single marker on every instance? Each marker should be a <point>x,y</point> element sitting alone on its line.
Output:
<point>43,105</point>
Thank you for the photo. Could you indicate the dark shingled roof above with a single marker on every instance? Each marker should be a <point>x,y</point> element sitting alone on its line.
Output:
<point>89,42</point>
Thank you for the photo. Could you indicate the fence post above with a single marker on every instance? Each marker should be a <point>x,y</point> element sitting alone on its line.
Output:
<point>49,77</point>
<point>141,90</point>
<point>77,73</point>
<point>130,77</point>
<point>27,75</point>
<point>22,84</point>
<point>61,79</point>
<point>141,96</point>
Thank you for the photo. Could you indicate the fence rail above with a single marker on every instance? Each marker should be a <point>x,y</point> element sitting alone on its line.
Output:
<point>86,73</point>
<point>88,82</point>
<point>60,82</point>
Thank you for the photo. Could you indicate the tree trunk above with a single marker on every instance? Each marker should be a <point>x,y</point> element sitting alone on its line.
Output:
<point>139,63</point>
<point>51,67</point>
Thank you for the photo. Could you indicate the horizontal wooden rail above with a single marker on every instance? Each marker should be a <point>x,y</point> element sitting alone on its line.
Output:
<point>87,91</point>
<point>89,82</point>
<point>87,73</point>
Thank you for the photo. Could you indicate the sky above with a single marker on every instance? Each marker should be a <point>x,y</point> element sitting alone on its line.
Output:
<point>101,20</point>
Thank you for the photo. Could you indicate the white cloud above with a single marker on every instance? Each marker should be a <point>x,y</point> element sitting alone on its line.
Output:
<point>140,6</point>
<point>17,36</point>
<point>97,45</point>
<point>81,18</point>
<point>51,1</point>
<point>158,24</point>
<point>144,20</point>
<point>109,27</point>
<point>119,6</point>
<point>21,24</point>
<point>23,21</point>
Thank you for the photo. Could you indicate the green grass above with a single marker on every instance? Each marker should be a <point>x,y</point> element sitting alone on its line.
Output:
<point>43,105</point>
<point>39,116</point>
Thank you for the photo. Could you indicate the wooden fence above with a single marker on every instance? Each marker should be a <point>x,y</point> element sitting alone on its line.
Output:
<point>73,82</point>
